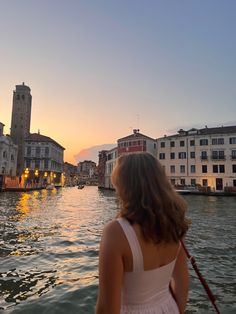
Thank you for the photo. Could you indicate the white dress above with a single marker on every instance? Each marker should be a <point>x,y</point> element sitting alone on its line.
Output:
<point>145,292</point>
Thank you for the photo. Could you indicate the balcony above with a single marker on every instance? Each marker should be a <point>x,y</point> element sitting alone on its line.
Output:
<point>215,157</point>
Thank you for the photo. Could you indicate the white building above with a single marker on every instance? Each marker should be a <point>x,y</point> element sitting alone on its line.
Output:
<point>8,155</point>
<point>43,159</point>
<point>204,157</point>
<point>110,164</point>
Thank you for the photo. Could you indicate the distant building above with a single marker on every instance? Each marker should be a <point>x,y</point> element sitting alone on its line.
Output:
<point>20,121</point>
<point>43,159</point>
<point>8,156</point>
<point>204,157</point>
<point>102,159</point>
<point>86,169</point>
<point>70,173</point>
<point>133,143</point>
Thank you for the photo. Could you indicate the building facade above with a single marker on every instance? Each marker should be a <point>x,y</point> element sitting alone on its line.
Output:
<point>87,171</point>
<point>132,143</point>
<point>8,156</point>
<point>43,160</point>
<point>70,174</point>
<point>200,157</point>
<point>20,121</point>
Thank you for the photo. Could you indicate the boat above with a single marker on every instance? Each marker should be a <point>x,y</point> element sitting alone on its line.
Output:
<point>80,186</point>
<point>50,186</point>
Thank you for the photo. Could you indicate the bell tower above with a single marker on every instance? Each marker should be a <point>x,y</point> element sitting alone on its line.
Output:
<point>20,121</point>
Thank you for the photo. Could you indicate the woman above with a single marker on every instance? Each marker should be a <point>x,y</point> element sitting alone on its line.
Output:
<point>142,266</point>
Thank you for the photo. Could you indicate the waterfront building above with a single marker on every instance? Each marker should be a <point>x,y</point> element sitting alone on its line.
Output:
<point>200,157</point>
<point>133,143</point>
<point>87,171</point>
<point>20,121</point>
<point>43,158</point>
<point>70,174</point>
<point>8,157</point>
<point>102,159</point>
<point>111,158</point>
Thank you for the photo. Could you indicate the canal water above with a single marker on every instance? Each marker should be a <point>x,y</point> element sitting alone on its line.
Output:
<point>49,244</point>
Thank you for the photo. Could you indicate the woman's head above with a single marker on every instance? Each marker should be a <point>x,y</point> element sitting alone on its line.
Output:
<point>147,198</point>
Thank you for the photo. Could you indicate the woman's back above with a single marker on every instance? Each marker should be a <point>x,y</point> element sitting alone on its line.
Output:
<point>146,274</point>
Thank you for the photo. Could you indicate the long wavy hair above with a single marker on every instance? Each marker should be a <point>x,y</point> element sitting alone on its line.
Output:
<point>147,198</point>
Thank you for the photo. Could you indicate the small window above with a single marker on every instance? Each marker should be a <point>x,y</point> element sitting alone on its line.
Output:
<point>204,182</point>
<point>203,142</point>
<point>234,183</point>
<point>182,155</point>
<point>192,142</point>
<point>193,181</point>
<point>182,168</point>
<point>215,168</point>
<point>192,154</point>
<point>163,144</point>
<point>172,144</point>
<point>204,155</point>
<point>234,168</point>
<point>181,143</point>
<point>222,168</point>
<point>162,156</point>
<point>204,168</point>
<point>37,163</point>
<point>172,169</point>
<point>172,155</point>
<point>232,140</point>
<point>192,168</point>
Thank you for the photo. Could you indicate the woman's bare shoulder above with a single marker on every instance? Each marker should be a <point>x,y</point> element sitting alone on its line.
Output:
<point>112,228</point>
<point>112,232</point>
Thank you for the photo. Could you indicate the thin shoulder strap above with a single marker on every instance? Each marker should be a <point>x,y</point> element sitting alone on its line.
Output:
<point>133,243</point>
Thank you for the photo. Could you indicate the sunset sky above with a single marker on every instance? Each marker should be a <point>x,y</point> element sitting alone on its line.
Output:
<point>97,69</point>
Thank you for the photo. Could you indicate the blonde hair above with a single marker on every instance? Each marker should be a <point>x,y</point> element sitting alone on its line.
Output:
<point>148,198</point>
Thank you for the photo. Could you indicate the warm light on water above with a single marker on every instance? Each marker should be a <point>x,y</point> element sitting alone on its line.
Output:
<point>49,250</point>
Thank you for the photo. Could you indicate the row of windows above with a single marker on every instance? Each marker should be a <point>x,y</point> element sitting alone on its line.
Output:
<point>215,168</point>
<point>219,186</point>
<point>132,143</point>
<point>215,155</point>
<point>4,155</point>
<point>202,142</point>
<point>37,151</point>
<point>44,164</point>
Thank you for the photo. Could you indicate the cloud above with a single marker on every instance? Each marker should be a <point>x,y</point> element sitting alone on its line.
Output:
<point>91,153</point>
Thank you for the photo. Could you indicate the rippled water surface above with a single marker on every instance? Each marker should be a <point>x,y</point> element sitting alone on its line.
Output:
<point>49,250</point>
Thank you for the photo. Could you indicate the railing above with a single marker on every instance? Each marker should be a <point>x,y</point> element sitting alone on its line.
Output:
<point>213,157</point>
